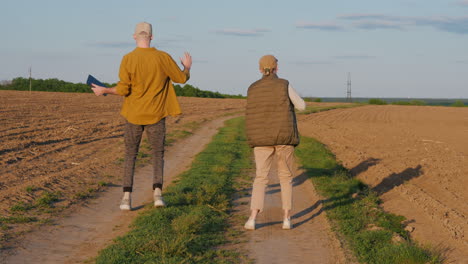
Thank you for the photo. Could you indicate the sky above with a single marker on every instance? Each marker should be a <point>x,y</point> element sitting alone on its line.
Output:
<point>391,48</point>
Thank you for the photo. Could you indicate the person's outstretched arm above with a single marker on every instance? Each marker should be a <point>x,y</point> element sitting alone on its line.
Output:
<point>100,90</point>
<point>297,101</point>
<point>124,83</point>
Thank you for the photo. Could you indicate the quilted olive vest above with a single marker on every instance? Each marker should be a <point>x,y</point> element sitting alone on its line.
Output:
<point>270,117</point>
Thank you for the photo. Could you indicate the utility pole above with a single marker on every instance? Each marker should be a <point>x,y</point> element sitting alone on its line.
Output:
<point>348,90</point>
<point>30,80</point>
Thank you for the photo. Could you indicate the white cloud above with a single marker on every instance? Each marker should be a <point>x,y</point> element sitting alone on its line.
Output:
<point>457,25</point>
<point>463,3</point>
<point>311,62</point>
<point>200,61</point>
<point>363,16</point>
<point>242,32</point>
<point>354,57</point>
<point>167,41</point>
<point>171,41</point>
<point>113,44</point>
<point>320,26</point>
<point>378,25</point>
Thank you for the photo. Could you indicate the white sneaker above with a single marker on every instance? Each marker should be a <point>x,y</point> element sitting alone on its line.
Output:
<point>126,204</point>
<point>158,200</point>
<point>287,223</point>
<point>250,224</point>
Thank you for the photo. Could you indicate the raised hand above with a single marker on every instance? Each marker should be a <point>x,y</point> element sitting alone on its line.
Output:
<point>186,60</point>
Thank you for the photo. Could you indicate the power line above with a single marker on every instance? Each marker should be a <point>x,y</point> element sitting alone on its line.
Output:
<point>348,90</point>
<point>30,79</point>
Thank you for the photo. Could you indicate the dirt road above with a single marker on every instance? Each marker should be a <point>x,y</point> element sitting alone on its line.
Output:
<point>311,240</point>
<point>414,157</point>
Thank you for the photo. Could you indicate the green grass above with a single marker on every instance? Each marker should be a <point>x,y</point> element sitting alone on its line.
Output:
<point>31,189</point>
<point>193,225</point>
<point>83,195</point>
<point>353,217</point>
<point>412,102</point>
<point>193,125</point>
<point>47,199</point>
<point>119,161</point>
<point>144,153</point>
<point>316,109</point>
<point>176,135</point>
<point>17,219</point>
<point>102,183</point>
<point>21,207</point>
<point>458,103</point>
<point>180,134</point>
<point>375,101</point>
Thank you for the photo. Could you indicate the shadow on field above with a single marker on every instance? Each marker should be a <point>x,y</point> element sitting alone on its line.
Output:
<point>397,179</point>
<point>363,166</point>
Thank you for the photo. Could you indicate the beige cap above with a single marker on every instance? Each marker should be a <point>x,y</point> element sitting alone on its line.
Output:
<point>268,62</point>
<point>143,29</point>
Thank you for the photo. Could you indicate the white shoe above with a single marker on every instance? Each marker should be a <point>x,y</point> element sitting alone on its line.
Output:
<point>158,200</point>
<point>250,224</point>
<point>126,204</point>
<point>287,223</point>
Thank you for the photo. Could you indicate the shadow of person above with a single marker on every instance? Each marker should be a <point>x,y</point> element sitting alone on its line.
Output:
<point>136,208</point>
<point>298,180</point>
<point>308,213</point>
<point>113,185</point>
<point>363,166</point>
<point>301,217</point>
<point>261,225</point>
<point>397,179</point>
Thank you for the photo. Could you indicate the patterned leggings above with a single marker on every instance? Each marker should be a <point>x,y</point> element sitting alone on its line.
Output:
<point>156,134</point>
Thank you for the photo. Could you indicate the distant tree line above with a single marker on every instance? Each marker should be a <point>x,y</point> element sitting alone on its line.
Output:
<point>383,102</point>
<point>457,103</point>
<point>191,91</point>
<point>56,85</point>
<point>400,101</point>
<point>49,85</point>
<point>375,101</point>
<point>312,99</point>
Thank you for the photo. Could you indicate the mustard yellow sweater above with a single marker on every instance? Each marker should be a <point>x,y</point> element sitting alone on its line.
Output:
<point>146,76</point>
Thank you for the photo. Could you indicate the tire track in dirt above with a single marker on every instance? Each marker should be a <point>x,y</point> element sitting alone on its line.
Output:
<point>414,157</point>
<point>81,235</point>
<point>54,152</point>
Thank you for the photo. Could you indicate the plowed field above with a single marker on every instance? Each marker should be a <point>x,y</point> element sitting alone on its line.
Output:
<point>58,148</point>
<point>414,157</point>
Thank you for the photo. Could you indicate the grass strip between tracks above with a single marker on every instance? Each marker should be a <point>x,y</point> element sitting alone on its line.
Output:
<point>194,223</point>
<point>373,235</point>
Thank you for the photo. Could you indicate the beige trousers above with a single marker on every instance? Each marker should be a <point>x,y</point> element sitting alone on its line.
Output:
<point>285,166</point>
